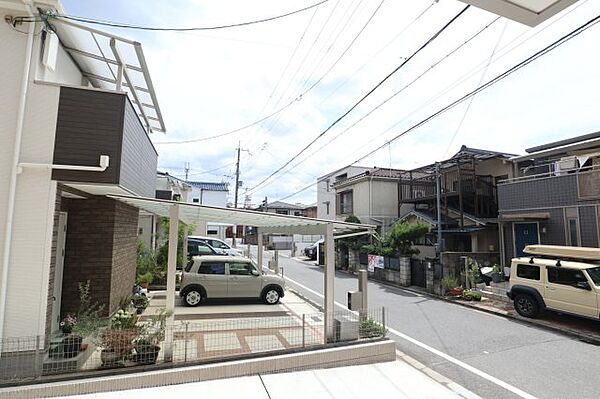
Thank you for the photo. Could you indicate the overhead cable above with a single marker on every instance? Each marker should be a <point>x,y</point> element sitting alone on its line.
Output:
<point>175,29</point>
<point>423,46</point>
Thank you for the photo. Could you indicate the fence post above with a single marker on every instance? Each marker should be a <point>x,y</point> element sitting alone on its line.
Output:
<point>38,363</point>
<point>303,330</point>
<point>383,316</point>
<point>185,340</point>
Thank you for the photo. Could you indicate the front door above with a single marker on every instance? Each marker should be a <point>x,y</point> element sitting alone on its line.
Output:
<point>241,282</point>
<point>525,234</point>
<point>58,269</point>
<point>562,292</point>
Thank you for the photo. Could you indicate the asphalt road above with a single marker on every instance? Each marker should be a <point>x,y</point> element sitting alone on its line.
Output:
<point>535,361</point>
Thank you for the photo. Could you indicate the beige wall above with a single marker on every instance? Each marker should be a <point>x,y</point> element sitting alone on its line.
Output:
<point>29,261</point>
<point>494,167</point>
<point>481,241</point>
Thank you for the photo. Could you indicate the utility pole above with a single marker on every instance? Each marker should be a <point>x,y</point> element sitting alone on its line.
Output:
<point>235,196</point>
<point>438,186</point>
<point>187,170</point>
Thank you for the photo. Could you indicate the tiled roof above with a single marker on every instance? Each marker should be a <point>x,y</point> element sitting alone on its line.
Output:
<point>210,186</point>
<point>284,205</point>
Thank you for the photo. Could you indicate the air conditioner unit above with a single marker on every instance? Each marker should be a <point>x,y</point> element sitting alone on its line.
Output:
<point>567,163</point>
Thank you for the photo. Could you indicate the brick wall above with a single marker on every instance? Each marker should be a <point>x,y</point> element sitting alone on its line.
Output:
<point>124,252</point>
<point>101,248</point>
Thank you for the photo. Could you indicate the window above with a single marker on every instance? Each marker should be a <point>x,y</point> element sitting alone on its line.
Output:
<point>240,269</point>
<point>297,213</point>
<point>218,244</point>
<point>196,200</point>
<point>564,276</point>
<point>328,184</point>
<point>530,272</point>
<point>345,202</point>
<point>281,211</point>
<point>572,226</point>
<point>595,275</point>
<point>341,177</point>
<point>326,206</point>
<point>212,268</point>
<point>212,232</point>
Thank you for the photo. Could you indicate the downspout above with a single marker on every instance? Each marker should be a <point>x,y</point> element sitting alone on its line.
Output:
<point>12,188</point>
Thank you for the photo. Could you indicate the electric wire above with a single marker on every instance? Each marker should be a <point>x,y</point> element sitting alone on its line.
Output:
<point>174,29</point>
<point>557,43</point>
<point>472,37</point>
<point>364,97</point>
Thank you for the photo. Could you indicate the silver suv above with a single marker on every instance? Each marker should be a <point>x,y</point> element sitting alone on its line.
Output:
<point>228,277</point>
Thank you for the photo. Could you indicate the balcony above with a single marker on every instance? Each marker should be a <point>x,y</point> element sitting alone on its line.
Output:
<point>548,190</point>
<point>94,122</point>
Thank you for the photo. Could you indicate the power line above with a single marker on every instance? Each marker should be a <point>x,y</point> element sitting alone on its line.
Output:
<point>557,43</point>
<point>472,37</point>
<point>430,40</point>
<point>153,28</point>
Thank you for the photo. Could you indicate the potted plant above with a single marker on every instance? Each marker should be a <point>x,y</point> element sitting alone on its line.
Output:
<point>145,279</point>
<point>470,295</point>
<point>496,274</point>
<point>71,343</point>
<point>147,345</point>
<point>117,341</point>
<point>140,302</point>
<point>116,346</point>
<point>451,287</point>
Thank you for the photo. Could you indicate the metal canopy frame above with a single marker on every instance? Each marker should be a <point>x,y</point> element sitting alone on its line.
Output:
<point>190,213</point>
<point>148,111</point>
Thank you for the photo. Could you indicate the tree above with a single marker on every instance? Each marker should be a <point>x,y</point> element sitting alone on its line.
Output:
<point>403,236</point>
<point>163,251</point>
<point>354,243</point>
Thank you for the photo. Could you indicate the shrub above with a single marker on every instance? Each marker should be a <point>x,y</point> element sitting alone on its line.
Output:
<point>369,328</point>
<point>449,282</point>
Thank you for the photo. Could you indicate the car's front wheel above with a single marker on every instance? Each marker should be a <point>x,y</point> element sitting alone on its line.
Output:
<point>192,298</point>
<point>271,296</point>
<point>526,306</point>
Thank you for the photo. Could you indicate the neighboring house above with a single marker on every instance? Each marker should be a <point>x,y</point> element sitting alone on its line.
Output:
<point>372,196</point>
<point>326,200</point>
<point>469,205</point>
<point>283,208</point>
<point>71,133</point>
<point>554,197</point>
<point>213,194</point>
<point>311,211</point>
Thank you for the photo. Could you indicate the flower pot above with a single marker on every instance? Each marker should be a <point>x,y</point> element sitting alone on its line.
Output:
<point>455,291</point>
<point>71,346</point>
<point>111,358</point>
<point>146,354</point>
<point>497,277</point>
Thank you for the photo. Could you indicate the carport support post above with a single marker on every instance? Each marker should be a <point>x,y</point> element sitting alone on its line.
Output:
<point>259,248</point>
<point>171,270</point>
<point>329,282</point>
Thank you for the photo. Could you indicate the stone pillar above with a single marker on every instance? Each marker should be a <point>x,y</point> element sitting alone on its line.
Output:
<point>405,274</point>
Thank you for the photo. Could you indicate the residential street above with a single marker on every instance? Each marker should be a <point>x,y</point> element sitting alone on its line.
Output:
<point>535,361</point>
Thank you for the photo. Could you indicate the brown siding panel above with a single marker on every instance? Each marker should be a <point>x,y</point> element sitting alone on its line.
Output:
<point>138,157</point>
<point>89,124</point>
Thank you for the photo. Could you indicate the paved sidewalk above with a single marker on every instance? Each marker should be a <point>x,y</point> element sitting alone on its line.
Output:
<point>393,379</point>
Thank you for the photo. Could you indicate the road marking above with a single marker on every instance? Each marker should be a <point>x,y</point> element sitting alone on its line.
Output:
<point>439,353</point>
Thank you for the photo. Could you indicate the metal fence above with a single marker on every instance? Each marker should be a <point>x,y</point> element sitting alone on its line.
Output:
<point>26,359</point>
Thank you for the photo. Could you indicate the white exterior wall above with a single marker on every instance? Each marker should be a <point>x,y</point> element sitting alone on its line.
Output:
<point>326,193</point>
<point>29,261</point>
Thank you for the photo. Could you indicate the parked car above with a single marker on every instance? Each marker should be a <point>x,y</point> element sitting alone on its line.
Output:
<point>219,244</point>
<point>200,248</point>
<point>563,279</point>
<point>228,277</point>
<point>311,251</point>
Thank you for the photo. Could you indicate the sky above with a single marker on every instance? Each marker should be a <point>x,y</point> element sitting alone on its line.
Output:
<point>217,81</point>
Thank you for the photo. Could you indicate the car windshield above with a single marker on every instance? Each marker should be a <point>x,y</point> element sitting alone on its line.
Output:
<point>595,275</point>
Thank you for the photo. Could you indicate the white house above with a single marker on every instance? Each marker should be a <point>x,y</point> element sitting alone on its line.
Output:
<point>73,127</point>
<point>326,199</point>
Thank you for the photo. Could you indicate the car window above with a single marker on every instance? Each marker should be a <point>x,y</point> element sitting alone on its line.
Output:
<point>218,244</point>
<point>204,250</point>
<point>189,265</point>
<point>530,272</point>
<point>595,275</point>
<point>240,269</point>
<point>565,276</point>
<point>212,268</point>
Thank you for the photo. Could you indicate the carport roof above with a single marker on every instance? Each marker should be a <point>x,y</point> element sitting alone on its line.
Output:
<point>191,213</point>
